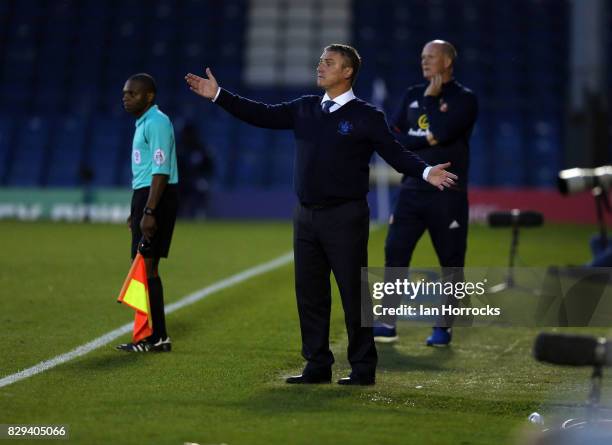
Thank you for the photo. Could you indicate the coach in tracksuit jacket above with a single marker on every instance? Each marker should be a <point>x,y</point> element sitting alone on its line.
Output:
<point>435,120</point>
<point>335,137</point>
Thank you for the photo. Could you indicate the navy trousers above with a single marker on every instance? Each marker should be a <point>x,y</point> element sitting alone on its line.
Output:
<point>332,239</point>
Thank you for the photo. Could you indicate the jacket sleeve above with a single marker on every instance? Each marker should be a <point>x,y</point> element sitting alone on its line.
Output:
<point>459,116</point>
<point>401,159</point>
<point>279,116</point>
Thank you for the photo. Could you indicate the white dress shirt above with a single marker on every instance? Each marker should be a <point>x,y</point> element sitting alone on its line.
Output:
<point>339,101</point>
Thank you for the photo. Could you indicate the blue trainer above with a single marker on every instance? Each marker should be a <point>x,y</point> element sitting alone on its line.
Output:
<point>384,333</point>
<point>440,337</point>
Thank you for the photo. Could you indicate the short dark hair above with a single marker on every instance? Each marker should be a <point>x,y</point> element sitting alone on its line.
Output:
<point>349,53</point>
<point>147,81</point>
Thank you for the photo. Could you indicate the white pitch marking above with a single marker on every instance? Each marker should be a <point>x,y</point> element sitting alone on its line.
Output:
<point>185,301</point>
<point>113,335</point>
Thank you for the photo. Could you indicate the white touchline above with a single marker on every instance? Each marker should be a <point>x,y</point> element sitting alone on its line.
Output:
<point>185,301</point>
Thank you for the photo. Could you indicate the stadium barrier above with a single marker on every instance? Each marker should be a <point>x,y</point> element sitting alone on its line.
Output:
<point>112,205</point>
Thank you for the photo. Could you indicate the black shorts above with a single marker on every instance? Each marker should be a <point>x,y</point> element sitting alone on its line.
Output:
<point>165,216</point>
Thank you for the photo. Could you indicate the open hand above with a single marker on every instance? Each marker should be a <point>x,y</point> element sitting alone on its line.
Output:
<point>205,87</point>
<point>441,178</point>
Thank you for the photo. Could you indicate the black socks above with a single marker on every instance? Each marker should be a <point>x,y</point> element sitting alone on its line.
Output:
<point>156,300</point>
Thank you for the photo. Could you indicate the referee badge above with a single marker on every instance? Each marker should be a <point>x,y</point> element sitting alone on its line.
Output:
<point>159,157</point>
<point>136,156</point>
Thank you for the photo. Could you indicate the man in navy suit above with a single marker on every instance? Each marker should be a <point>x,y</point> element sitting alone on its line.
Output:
<point>336,135</point>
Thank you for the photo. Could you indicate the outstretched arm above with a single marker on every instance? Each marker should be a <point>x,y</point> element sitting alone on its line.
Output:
<point>278,117</point>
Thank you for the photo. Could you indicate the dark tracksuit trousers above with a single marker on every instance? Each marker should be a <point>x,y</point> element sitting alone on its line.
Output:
<point>445,216</point>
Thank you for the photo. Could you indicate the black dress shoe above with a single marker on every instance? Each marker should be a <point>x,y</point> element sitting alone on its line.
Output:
<point>308,379</point>
<point>357,381</point>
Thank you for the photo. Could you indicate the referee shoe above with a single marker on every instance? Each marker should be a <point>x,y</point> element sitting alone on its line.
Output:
<point>161,345</point>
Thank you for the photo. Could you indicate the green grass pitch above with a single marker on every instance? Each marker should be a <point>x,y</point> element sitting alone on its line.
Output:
<point>223,382</point>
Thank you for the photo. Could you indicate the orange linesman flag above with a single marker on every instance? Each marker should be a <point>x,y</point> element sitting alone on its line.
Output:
<point>135,293</point>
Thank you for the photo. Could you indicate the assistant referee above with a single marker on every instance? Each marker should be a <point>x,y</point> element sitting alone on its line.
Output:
<point>154,200</point>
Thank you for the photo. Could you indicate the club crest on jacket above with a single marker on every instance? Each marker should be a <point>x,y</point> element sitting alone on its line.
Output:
<point>345,128</point>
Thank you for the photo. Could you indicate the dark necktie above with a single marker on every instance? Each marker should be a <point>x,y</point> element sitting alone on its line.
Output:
<point>327,105</point>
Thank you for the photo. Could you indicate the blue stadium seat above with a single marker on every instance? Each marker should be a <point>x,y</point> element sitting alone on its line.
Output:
<point>219,134</point>
<point>197,8</point>
<point>73,57</point>
<point>280,161</point>
<point>109,149</point>
<point>5,8</point>
<point>51,80</point>
<point>26,169</point>
<point>509,156</point>
<point>544,154</point>
<point>66,10</point>
<point>29,9</point>
<point>16,98</point>
<point>219,146</point>
<point>85,74</point>
<point>480,153</point>
<point>125,179</point>
<point>250,155</point>
<point>6,132</point>
<point>134,8</point>
<point>66,152</point>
